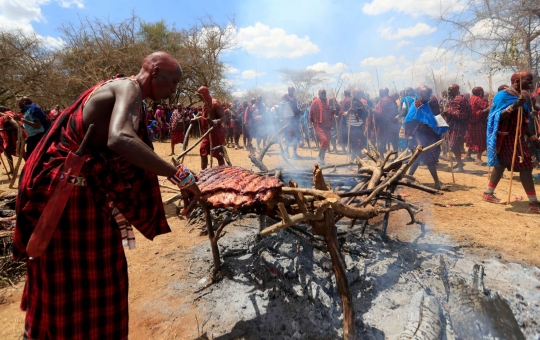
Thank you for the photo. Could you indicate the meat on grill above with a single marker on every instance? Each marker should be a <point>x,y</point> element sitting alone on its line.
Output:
<point>226,186</point>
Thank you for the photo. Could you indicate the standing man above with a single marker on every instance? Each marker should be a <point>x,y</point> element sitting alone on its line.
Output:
<point>177,127</point>
<point>386,121</point>
<point>458,113</point>
<point>420,124</point>
<point>476,130</point>
<point>501,132</point>
<point>35,123</point>
<point>212,115</point>
<point>54,113</point>
<point>249,127</point>
<point>78,287</point>
<point>342,126</point>
<point>290,113</point>
<point>355,118</point>
<point>322,118</point>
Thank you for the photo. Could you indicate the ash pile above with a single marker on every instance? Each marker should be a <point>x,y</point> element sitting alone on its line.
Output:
<point>282,287</point>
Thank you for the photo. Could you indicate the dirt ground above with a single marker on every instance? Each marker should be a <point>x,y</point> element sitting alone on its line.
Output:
<point>505,232</point>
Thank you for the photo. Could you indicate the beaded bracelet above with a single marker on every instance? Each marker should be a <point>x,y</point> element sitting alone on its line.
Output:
<point>182,178</point>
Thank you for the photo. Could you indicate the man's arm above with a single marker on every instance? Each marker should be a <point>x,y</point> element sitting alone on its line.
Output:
<point>122,136</point>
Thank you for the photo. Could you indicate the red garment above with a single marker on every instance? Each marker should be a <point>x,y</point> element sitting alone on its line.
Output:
<point>9,137</point>
<point>476,130</point>
<point>459,114</point>
<point>177,137</point>
<point>217,134</point>
<point>323,135</point>
<point>78,289</point>
<point>218,138</point>
<point>320,113</point>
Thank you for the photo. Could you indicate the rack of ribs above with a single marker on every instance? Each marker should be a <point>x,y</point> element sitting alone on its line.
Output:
<point>236,187</point>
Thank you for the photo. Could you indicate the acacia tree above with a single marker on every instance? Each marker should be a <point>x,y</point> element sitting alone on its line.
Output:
<point>27,68</point>
<point>506,33</point>
<point>303,80</point>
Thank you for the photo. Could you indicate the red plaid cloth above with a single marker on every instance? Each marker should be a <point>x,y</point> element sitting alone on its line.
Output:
<point>218,138</point>
<point>78,289</point>
<point>9,137</point>
<point>177,137</point>
<point>320,113</point>
<point>476,130</point>
<point>459,114</point>
<point>507,148</point>
<point>323,135</point>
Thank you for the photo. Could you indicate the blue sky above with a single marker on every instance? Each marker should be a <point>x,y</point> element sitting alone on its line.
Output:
<point>399,40</point>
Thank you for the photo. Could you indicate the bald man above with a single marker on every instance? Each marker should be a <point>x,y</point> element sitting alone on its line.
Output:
<point>78,287</point>
<point>501,132</point>
<point>213,114</point>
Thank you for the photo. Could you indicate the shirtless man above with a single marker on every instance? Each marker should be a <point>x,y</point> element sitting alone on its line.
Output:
<point>78,288</point>
<point>212,115</point>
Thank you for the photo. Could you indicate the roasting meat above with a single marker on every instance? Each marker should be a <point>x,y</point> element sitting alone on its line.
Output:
<point>235,187</point>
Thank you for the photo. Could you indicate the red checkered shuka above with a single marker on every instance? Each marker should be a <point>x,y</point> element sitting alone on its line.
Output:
<point>459,114</point>
<point>523,159</point>
<point>217,134</point>
<point>78,289</point>
<point>477,127</point>
<point>177,119</point>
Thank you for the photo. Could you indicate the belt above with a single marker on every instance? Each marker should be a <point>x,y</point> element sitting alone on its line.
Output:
<point>503,133</point>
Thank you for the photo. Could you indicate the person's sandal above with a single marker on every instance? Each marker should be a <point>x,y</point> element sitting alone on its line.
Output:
<point>491,198</point>
<point>534,207</point>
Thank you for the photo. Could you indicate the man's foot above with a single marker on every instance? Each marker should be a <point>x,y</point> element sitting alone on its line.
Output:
<point>322,162</point>
<point>236,147</point>
<point>295,156</point>
<point>478,162</point>
<point>491,198</point>
<point>171,154</point>
<point>468,159</point>
<point>534,207</point>
<point>442,187</point>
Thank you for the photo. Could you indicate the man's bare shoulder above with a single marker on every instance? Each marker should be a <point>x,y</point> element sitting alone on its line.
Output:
<point>121,89</point>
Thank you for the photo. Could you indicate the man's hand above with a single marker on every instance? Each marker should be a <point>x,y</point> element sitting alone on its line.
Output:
<point>190,196</point>
<point>17,117</point>
<point>209,121</point>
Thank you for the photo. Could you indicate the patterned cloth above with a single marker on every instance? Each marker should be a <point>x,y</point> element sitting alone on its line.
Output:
<point>217,134</point>
<point>420,124</point>
<point>476,130</point>
<point>78,289</point>
<point>501,133</point>
<point>459,114</point>
<point>177,137</point>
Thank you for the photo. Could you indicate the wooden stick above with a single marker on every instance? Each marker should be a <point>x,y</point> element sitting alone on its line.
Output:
<point>20,152</point>
<point>4,164</point>
<point>177,160</point>
<point>451,159</point>
<point>518,126</point>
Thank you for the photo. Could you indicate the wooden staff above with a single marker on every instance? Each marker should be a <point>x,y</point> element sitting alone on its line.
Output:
<point>211,158</point>
<point>20,152</point>
<point>177,160</point>
<point>4,164</point>
<point>516,138</point>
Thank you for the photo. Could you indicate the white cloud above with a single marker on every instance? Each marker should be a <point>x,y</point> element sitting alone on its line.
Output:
<point>382,61</point>
<point>402,44</point>
<point>231,70</point>
<point>408,32</point>
<point>415,8</point>
<point>334,69</point>
<point>274,42</point>
<point>20,14</point>
<point>250,74</point>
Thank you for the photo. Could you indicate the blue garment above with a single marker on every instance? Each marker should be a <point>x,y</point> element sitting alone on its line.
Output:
<point>408,101</point>
<point>501,102</point>
<point>30,116</point>
<point>424,115</point>
<point>35,113</point>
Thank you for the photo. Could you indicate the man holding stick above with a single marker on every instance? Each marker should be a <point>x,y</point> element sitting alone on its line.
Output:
<point>323,119</point>
<point>457,114</point>
<point>212,115</point>
<point>507,138</point>
<point>77,284</point>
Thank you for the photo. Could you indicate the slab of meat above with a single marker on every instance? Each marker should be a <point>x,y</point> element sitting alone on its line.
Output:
<point>236,187</point>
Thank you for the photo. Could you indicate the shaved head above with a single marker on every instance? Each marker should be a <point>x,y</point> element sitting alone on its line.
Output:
<point>160,75</point>
<point>478,91</point>
<point>383,92</point>
<point>522,80</point>
<point>163,60</point>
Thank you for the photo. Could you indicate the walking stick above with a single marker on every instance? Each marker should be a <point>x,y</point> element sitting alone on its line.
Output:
<point>211,158</point>
<point>447,139</point>
<point>516,138</point>
<point>4,164</point>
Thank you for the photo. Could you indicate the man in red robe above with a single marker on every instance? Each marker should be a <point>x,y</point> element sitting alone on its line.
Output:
<point>476,130</point>
<point>78,288</point>
<point>8,133</point>
<point>212,115</point>
<point>177,127</point>
<point>386,121</point>
<point>457,114</point>
<point>322,118</point>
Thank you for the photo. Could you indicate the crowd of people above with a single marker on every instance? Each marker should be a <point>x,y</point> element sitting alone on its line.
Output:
<point>77,285</point>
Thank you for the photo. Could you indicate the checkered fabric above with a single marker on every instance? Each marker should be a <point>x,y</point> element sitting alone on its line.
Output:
<point>78,289</point>
<point>477,128</point>
<point>459,114</point>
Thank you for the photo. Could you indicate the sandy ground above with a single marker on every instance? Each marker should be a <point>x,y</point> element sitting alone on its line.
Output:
<point>505,232</point>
